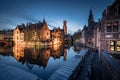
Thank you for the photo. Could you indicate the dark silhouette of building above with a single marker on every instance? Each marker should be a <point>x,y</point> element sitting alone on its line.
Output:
<point>88,31</point>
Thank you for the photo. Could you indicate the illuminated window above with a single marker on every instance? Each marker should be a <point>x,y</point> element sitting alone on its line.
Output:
<point>112,45</point>
<point>109,27</point>
<point>111,42</point>
<point>118,45</point>
<point>112,48</point>
<point>118,48</point>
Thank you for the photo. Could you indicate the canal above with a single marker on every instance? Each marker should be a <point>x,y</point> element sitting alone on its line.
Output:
<point>40,61</point>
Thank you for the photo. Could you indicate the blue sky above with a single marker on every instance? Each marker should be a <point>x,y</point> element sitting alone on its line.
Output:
<point>15,12</point>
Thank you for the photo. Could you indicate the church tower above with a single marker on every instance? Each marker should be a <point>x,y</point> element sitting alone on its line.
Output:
<point>91,22</point>
<point>91,18</point>
<point>65,26</point>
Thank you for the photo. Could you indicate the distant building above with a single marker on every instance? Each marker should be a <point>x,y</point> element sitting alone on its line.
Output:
<point>58,35</point>
<point>109,28</point>
<point>6,35</point>
<point>97,34</point>
<point>88,31</point>
<point>84,35</point>
<point>18,34</point>
<point>32,34</point>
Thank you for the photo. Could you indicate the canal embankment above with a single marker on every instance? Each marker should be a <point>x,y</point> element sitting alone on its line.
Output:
<point>65,71</point>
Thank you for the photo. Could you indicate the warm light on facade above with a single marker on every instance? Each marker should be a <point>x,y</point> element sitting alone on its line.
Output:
<point>56,41</point>
<point>56,47</point>
<point>112,48</point>
<point>118,45</point>
<point>112,45</point>
<point>118,48</point>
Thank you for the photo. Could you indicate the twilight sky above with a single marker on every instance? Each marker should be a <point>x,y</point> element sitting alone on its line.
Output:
<point>15,12</point>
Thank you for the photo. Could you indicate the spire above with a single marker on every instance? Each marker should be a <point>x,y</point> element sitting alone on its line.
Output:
<point>91,15</point>
<point>85,26</point>
<point>44,20</point>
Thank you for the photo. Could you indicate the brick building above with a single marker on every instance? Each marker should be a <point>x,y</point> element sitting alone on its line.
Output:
<point>39,33</point>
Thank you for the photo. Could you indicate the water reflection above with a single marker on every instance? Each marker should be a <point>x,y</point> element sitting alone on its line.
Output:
<point>37,55</point>
<point>41,61</point>
<point>6,51</point>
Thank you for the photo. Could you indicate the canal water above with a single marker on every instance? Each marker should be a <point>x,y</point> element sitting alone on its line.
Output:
<point>40,61</point>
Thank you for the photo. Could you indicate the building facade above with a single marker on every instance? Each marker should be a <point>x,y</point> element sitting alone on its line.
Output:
<point>39,33</point>
<point>18,35</point>
<point>108,29</point>
<point>88,31</point>
<point>6,35</point>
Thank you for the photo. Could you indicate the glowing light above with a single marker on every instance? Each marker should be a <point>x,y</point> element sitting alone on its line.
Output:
<point>112,48</point>
<point>118,48</point>
<point>56,41</point>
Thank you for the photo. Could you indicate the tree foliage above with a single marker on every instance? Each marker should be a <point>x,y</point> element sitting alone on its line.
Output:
<point>77,35</point>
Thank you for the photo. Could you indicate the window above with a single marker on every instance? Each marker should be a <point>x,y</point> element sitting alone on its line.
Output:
<point>17,37</point>
<point>47,33</point>
<point>45,28</point>
<point>118,45</point>
<point>115,26</point>
<point>109,27</point>
<point>17,32</point>
<point>112,26</point>
<point>112,45</point>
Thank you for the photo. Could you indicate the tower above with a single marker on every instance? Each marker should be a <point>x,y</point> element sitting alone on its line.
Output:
<point>91,22</point>
<point>65,26</point>
<point>44,21</point>
<point>91,18</point>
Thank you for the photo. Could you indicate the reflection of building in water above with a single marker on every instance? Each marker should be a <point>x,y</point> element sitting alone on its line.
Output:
<point>18,52</point>
<point>38,56</point>
<point>6,35</point>
<point>58,51</point>
<point>6,51</point>
<point>65,54</point>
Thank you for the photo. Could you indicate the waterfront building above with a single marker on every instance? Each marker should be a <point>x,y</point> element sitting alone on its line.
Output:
<point>109,27</point>
<point>6,35</point>
<point>58,35</point>
<point>18,34</point>
<point>32,34</point>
